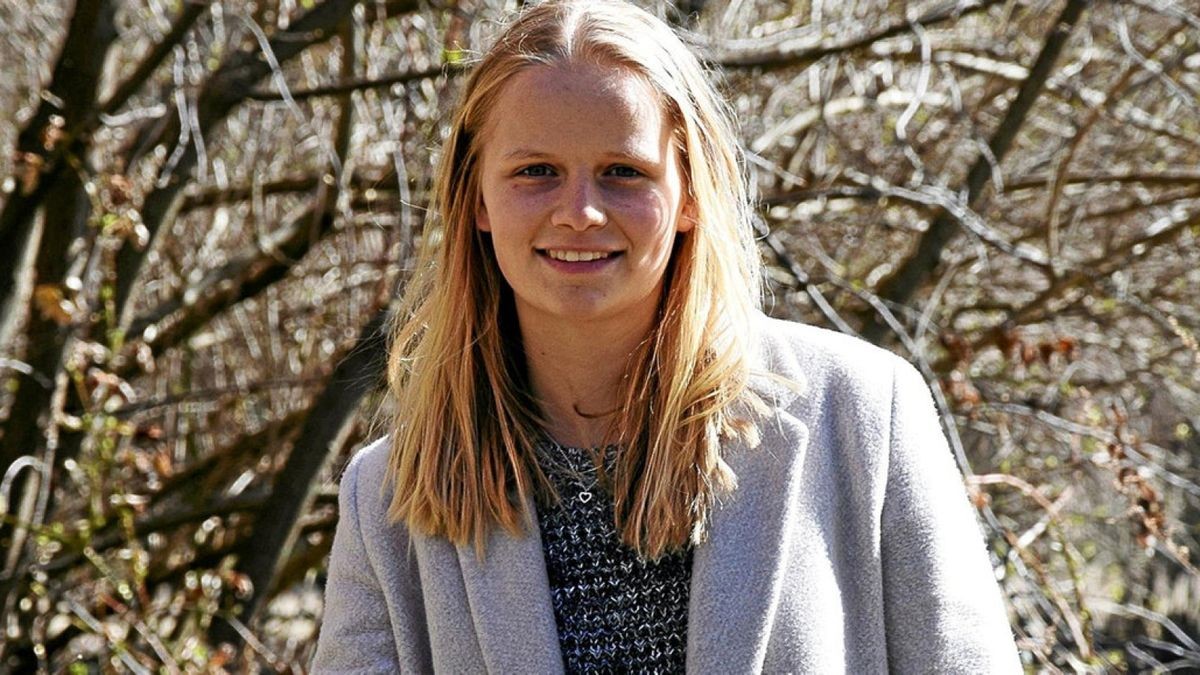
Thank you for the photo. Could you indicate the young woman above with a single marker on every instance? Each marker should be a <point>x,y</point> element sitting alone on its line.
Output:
<point>603,456</point>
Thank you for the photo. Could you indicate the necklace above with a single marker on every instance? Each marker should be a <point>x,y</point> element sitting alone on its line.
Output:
<point>573,470</point>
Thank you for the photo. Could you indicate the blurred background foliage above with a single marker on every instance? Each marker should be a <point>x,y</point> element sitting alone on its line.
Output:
<point>207,207</point>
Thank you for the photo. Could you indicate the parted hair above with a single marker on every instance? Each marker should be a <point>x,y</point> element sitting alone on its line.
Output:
<point>465,423</point>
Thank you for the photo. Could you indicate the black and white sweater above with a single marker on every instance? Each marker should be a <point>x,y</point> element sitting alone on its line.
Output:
<point>615,612</point>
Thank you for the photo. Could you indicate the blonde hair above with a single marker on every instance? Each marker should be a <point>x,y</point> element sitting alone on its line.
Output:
<point>465,427</point>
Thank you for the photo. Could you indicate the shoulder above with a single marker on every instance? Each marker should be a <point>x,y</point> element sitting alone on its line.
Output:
<point>372,458</point>
<point>363,480</point>
<point>822,362</point>
<point>370,462</point>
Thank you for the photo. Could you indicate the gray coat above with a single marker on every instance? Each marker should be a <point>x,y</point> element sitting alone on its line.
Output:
<point>849,545</point>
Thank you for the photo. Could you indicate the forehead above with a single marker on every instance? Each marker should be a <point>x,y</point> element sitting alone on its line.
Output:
<point>577,103</point>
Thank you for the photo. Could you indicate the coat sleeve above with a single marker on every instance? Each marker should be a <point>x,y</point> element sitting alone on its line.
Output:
<point>356,633</point>
<point>942,606</point>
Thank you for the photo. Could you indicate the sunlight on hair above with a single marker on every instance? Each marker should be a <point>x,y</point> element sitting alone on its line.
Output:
<point>462,452</point>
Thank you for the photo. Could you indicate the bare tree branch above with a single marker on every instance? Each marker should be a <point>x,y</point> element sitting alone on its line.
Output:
<point>253,272</point>
<point>362,181</point>
<point>899,287</point>
<point>361,84</point>
<point>1052,213</point>
<point>71,98</point>
<point>816,46</point>
<point>274,525</point>
<point>45,142</point>
<point>1042,305</point>
<point>191,12</point>
<point>228,87</point>
<point>239,279</point>
<point>1173,176</point>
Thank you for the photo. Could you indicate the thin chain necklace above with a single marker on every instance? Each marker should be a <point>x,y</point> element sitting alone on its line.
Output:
<point>559,461</point>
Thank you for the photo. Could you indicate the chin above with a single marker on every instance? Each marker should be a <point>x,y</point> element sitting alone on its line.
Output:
<point>577,310</point>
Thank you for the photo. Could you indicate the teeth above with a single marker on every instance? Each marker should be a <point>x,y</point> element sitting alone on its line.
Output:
<point>577,256</point>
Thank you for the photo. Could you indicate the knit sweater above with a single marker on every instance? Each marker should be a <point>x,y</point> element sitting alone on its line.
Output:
<point>614,611</point>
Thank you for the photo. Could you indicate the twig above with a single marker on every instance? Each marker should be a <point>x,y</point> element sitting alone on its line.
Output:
<point>1024,486</point>
<point>361,84</point>
<point>1074,623</point>
<point>324,429</point>
<point>955,207</point>
<point>97,628</point>
<point>1150,615</point>
<point>1176,176</point>
<point>214,393</point>
<point>250,639</point>
<point>191,12</point>
<point>1070,427</point>
<point>802,279</point>
<point>28,370</point>
<point>228,86</point>
<point>1065,158</point>
<point>816,46</point>
<point>1156,234</point>
<point>145,526</point>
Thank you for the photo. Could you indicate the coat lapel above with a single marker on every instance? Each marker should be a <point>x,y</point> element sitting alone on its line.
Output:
<point>509,589</point>
<point>738,573</point>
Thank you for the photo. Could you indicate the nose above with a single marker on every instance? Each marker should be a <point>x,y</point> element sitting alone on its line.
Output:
<point>580,206</point>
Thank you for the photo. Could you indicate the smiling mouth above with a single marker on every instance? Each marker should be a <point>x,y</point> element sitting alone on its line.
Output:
<point>577,256</point>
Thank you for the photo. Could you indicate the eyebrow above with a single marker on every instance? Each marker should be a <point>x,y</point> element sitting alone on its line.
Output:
<point>522,153</point>
<point>626,155</point>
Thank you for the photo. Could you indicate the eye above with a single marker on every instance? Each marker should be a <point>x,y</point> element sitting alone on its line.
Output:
<point>625,172</point>
<point>536,171</point>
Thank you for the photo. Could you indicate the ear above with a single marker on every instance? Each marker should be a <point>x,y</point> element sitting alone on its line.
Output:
<point>482,222</point>
<point>687,215</point>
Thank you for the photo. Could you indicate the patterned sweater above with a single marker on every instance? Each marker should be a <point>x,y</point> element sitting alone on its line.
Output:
<point>615,612</point>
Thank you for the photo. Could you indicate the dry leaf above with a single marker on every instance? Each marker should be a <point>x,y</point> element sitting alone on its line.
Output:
<point>120,189</point>
<point>50,303</point>
<point>29,171</point>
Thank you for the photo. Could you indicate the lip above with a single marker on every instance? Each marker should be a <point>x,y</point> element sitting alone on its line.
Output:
<point>581,266</point>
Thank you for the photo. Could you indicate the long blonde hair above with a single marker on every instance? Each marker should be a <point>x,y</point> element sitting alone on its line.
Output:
<point>465,425</point>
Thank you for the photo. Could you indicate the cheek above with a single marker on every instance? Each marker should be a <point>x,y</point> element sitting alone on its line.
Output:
<point>651,222</point>
<point>513,211</point>
<point>647,212</point>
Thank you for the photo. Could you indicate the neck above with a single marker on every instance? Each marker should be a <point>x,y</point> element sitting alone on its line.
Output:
<point>575,370</point>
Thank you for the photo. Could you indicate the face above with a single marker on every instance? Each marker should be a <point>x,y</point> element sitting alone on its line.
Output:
<point>582,192</point>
